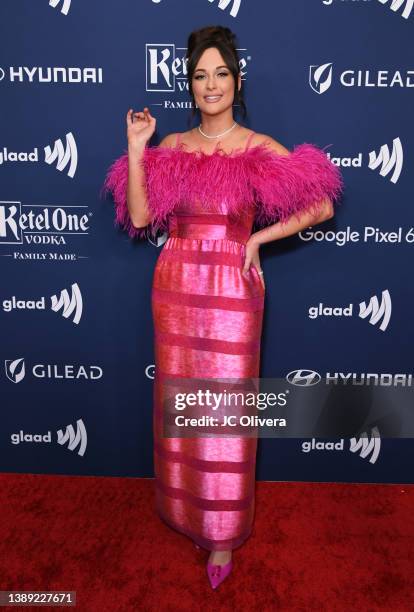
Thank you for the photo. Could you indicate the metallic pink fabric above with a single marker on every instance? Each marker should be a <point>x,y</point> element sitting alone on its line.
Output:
<point>207,314</point>
<point>208,322</point>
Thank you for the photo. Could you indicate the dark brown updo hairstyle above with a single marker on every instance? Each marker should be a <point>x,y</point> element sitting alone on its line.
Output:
<point>225,41</point>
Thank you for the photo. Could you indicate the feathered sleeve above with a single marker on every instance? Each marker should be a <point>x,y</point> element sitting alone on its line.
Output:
<point>161,189</point>
<point>295,183</point>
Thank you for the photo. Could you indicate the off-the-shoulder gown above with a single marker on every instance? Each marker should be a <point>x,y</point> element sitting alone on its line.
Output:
<point>207,315</point>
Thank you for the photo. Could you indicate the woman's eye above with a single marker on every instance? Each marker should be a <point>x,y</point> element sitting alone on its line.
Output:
<point>201,76</point>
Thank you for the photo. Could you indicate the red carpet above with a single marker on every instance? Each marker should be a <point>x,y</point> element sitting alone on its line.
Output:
<point>333,547</point>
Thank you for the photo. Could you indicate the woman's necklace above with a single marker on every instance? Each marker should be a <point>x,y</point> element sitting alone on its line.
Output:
<point>218,135</point>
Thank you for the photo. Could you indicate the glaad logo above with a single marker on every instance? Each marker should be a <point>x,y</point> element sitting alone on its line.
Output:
<point>384,379</point>
<point>15,371</point>
<point>320,78</point>
<point>63,156</point>
<point>222,4</point>
<point>72,307</point>
<point>377,312</point>
<point>389,162</point>
<point>65,5</point>
<point>75,439</point>
<point>78,439</point>
<point>365,446</point>
<point>394,5</point>
<point>69,306</point>
<point>397,4</point>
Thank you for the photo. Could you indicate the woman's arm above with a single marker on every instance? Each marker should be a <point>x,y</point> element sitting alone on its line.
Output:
<point>293,225</point>
<point>136,192</point>
<point>279,186</point>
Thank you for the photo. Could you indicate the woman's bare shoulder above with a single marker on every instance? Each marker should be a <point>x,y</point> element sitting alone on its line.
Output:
<point>273,144</point>
<point>169,140</point>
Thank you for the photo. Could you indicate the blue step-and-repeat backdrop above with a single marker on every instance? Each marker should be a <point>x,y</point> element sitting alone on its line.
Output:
<point>76,351</point>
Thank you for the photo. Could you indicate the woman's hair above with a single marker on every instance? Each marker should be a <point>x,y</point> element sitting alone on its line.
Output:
<point>224,40</point>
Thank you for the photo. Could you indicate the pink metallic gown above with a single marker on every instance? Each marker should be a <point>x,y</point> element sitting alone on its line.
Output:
<point>208,315</point>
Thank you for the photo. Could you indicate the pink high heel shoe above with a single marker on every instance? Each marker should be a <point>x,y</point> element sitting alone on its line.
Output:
<point>217,573</point>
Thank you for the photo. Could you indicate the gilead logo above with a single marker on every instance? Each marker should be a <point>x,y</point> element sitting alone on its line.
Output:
<point>321,76</point>
<point>16,371</point>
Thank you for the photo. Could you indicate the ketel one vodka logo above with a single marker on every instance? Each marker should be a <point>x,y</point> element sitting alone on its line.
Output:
<point>64,157</point>
<point>71,439</point>
<point>15,371</point>
<point>366,448</point>
<point>64,5</point>
<point>41,224</point>
<point>379,313</point>
<point>166,67</point>
<point>68,306</point>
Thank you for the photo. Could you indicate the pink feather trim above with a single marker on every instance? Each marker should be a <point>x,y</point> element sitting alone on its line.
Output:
<point>116,183</point>
<point>294,184</point>
<point>276,185</point>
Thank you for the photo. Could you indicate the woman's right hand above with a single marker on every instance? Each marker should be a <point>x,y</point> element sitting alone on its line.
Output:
<point>140,127</point>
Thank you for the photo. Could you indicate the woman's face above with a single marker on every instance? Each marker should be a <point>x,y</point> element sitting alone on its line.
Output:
<point>213,83</point>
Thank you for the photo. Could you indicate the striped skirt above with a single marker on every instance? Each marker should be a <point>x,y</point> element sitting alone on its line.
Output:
<point>207,323</point>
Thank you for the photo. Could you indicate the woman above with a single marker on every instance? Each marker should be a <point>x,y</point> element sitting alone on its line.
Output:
<point>207,187</point>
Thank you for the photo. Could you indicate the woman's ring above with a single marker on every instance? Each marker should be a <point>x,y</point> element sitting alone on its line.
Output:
<point>261,272</point>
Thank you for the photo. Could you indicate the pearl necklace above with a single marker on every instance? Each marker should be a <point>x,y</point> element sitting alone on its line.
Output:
<point>218,135</point>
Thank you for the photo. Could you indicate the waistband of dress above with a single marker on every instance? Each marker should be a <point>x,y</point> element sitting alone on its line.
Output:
<point>208,226</point>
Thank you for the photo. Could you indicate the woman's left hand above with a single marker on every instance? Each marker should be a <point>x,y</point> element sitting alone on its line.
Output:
<point>252,258</point>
